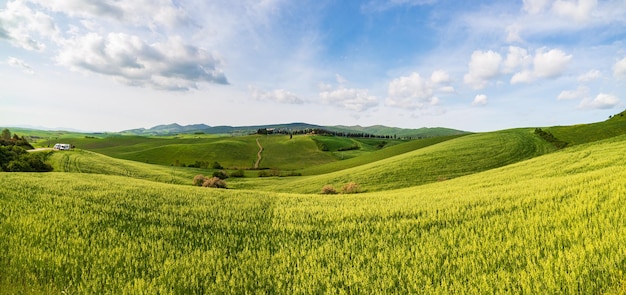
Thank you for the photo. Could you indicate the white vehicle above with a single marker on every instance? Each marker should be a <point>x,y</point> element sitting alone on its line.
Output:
<point>62,146</point>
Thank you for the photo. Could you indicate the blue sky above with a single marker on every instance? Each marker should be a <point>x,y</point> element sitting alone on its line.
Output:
<point>474,65</point>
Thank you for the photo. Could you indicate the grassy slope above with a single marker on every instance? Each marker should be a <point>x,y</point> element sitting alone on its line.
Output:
<point>81,161</point>
<point>584,133</point>
<point>551,225</point>
<point>450,159</point>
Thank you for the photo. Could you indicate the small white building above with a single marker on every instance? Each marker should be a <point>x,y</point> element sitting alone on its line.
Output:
<point>62,146</point>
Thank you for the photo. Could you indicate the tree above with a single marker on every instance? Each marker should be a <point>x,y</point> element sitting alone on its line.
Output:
<point>6,134</point>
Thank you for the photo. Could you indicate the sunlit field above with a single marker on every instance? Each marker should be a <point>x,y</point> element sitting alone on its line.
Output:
<point>553,224</point>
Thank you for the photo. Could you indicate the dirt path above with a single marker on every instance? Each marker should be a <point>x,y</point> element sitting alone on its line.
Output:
<point>258,155</point>
<point>40,150</point>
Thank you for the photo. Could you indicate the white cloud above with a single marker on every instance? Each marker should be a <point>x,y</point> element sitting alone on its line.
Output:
<point>522,77</point>
<point>602,101</point>
<point>535,6</point>
<point>440,77</point>
<point>619,69</point>
<point>170,65</point>
<point>550,64</point>
<point>589,76</point>
<point>579,93</point>
<point>349,98</point>
<point>483,66</point>
<point>340,79</point>
<point>413,91</point>
<point>480,100</point>
<point>577,10</point>
<point>516,58</point>
<point>26,28</point>
<point>277,95</point>
<point>20,64</point>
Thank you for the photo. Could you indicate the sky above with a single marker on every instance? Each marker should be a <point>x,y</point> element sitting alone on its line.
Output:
<point>109,65</point>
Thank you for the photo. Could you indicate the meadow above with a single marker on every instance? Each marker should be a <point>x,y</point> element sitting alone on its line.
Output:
<point>487,213</point>
<point>553,224</point>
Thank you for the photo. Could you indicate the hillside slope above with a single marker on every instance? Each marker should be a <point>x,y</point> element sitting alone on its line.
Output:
<point>550,225</point>
<point>446,160</point>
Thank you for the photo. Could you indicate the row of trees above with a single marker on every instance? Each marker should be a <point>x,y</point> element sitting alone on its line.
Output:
<point>320,131</point>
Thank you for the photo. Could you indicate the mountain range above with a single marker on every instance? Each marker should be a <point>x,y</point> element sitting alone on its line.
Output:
<point>174,128</point>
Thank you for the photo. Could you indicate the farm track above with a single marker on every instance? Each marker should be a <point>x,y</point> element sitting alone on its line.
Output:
<point>258,155</point>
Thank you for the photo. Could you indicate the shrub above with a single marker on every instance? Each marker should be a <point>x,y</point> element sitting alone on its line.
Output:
<point>216,165</point>
<point>198,180</point>
<point>237,173</point>
<point>214,182</point>
<point>328,190</point>
<point>220,174</point>
<point>351,188</point>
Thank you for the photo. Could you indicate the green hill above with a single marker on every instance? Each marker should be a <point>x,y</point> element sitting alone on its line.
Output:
<point>585,133</point>
<point>81,161</point>
<point>438,162</point>
<point>553,224</point>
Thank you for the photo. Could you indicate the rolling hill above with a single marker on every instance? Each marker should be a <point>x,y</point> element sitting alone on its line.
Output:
<point>379,130</point>
<point>551,224</point>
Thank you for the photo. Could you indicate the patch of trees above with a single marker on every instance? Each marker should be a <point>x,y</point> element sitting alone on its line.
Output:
<point>15,158</point>
<point>206,165</point>
<point>321,131</point>
<point>547,136</point>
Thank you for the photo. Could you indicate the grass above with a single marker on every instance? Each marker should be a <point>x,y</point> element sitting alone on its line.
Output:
<point>81,161</point>
<point>553,224</point>
<point>436,162</point>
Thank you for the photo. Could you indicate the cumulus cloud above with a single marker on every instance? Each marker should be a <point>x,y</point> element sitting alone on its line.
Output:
<point>577,10</point>
<point>25,28</point>
<point>277,95</point>
<point>483,66</point>
<point>170,65</point>
<point>602,101</point>
<point>413,91</point>
<point>545,64</point>
<point>20,64</point>
<point>579,93</point>
<point>619,69</point>
<point>589,76</point>
<point>516,58</point>
<point>153,14</point>
<point>480,100</point>
<point>550,64</point>
<point>349,98</point>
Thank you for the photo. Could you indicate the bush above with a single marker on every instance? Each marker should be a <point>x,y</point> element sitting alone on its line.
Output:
<point>328,190</point>
<point>351,188</point>
<point>216,165</point>
<point>220,174</point>
<point>214,182</point>
<point>237,173</point>
<point>198,180</point>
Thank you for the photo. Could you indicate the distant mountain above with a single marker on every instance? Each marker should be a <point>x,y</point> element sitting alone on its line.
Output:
<point>172,129</point>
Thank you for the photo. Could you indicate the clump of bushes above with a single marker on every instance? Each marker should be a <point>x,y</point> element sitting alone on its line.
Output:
<point>328,190</point>
<point>220,174</point>
<point>214,182</point>
<point>237,173</point>
<point>349,188</point>
<point>547,136</point>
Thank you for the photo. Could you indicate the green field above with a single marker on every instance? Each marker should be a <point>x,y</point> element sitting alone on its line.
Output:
<point>551,225</point>
<point>487,213</point>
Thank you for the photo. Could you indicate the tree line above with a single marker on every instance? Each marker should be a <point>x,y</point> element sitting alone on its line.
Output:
<point>321,131</point>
